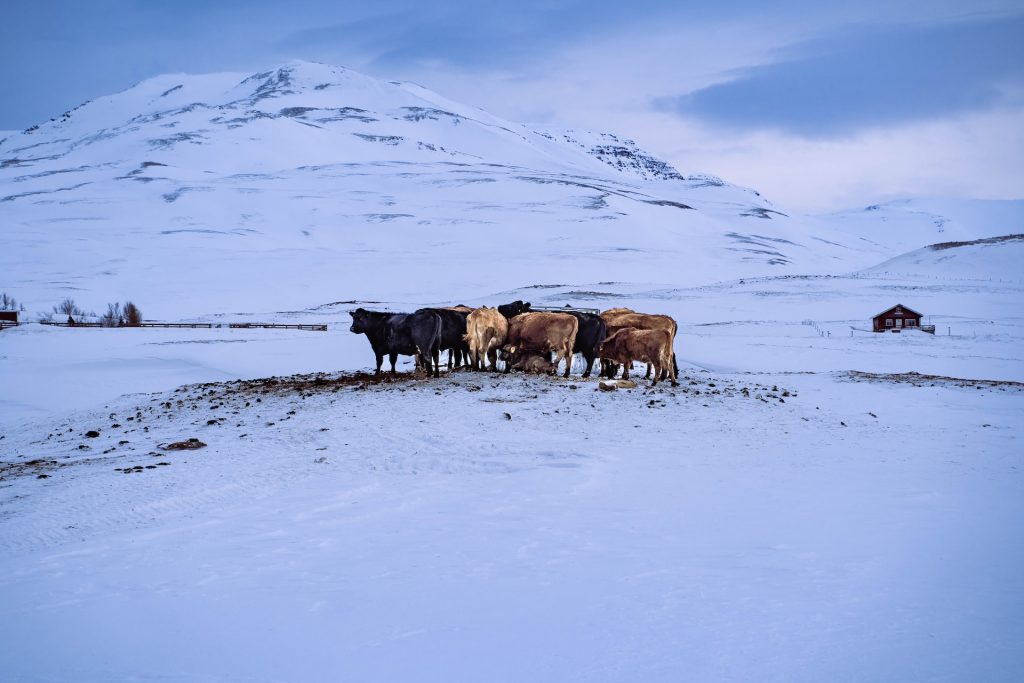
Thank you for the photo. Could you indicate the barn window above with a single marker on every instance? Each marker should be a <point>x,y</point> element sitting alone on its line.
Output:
<point>888,322</point>
<point>910,322</point>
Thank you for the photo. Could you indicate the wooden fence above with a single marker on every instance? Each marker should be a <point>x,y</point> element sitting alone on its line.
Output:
<point>320,327</point>
<point>56,324</point>
<point>315,327</point>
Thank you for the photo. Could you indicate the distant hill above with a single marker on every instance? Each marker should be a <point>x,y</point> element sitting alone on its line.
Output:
<point>993,258</point>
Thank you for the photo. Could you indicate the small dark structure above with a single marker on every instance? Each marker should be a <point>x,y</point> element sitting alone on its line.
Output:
<point>896,318</point>
<point>8,319</point>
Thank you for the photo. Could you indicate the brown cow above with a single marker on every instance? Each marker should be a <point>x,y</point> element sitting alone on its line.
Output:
<point>646,346</point>
<point>486,330</point>
<point>541,333</point>
<point>461,308</point>
<point>535,363</point>
<point>621,318</point>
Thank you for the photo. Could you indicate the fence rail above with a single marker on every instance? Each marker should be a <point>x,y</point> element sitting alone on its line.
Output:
<point>315,327</point>
<point>56,324</point>
<point>564,309</point>
<point>320,327</point>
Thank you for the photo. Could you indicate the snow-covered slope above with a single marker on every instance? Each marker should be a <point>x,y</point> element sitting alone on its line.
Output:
<point>312,183</point>
<point>910,224</point>
<point>998,259</point>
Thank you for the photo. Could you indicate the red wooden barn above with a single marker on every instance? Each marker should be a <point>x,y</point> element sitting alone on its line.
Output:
<point>896,318</point>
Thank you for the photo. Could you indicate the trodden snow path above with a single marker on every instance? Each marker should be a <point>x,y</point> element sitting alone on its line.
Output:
<point>483,527</point>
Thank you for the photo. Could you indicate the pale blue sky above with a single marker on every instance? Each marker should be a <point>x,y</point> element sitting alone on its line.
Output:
<point>738,88</point>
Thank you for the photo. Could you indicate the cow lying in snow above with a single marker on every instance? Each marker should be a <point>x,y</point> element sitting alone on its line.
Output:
<point>541,333</point>
<point>535,363</point>
<point>647,346</point>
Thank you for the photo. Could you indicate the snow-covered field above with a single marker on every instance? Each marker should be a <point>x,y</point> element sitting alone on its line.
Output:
<point>813,502</point>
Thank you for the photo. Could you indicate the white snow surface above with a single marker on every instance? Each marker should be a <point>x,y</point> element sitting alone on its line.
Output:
<point>854,514</point>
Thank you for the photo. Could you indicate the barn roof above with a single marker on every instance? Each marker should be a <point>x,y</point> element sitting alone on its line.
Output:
<point>893,308</point>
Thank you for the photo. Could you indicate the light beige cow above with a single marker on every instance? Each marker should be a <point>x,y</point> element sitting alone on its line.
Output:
<point>486,330</point>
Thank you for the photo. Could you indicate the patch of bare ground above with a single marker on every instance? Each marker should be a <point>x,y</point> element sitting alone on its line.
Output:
<point>320,382</point>
<point>918,380</point>
<point>136,436</point>
<point>38,467</point>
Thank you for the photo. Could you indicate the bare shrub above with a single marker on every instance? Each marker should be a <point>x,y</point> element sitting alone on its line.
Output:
<point>132,314</point>
<point>68,308</point>
<point>113,317</point>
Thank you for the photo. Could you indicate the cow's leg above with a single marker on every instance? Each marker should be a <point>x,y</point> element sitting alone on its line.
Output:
<point>590,365</point>
<point>648,375</point>
<point>380,361</point>
<point>568,355</point>
<point>437,361</point>
<point>393,357</point>
<point>625,368</point>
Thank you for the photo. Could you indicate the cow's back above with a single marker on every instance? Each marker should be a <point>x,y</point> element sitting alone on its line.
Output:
<point>541,329</point>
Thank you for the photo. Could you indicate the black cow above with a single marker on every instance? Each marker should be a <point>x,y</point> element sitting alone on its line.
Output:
<point>453,329</point>
<point>513,309</point>
<point>408,334</point>
<point>592,332</point>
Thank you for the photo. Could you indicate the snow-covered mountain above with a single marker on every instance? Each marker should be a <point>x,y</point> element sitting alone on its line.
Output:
<point>312,183</point>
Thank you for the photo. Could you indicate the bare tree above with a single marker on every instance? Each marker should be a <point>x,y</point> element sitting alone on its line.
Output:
<point>113,317</point>
<point>132,315</point>
<point>8,303</point>
<point>68,308</point>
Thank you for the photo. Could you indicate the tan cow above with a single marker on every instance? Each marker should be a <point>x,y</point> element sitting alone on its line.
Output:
<point>486,330</point>
<point>647,346</point>
<point>541,333</point>
<point>535,363</point>
<point>621,318</point>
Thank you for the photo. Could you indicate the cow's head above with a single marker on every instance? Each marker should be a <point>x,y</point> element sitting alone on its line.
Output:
<point>609,342</point>
<point>358,320</point>
<point>513,309</point>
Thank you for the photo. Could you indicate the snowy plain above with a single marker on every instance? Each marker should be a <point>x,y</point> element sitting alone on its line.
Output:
<point>803,507</point>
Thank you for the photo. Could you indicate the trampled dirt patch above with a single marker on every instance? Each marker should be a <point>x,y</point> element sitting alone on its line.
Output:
<point>918,380</point>
<point>320,382</point>
<point>38,467</point>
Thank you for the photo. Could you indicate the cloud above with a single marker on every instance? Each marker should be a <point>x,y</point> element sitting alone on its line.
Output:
<point>847,83</point>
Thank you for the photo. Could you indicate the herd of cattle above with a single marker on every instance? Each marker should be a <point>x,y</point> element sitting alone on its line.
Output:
<point>532,341</point>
